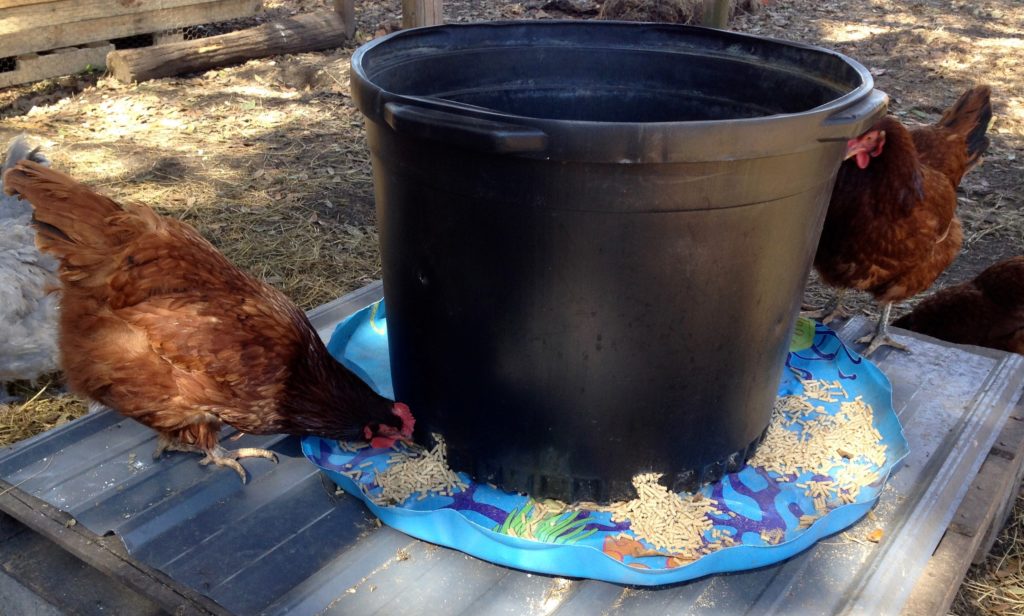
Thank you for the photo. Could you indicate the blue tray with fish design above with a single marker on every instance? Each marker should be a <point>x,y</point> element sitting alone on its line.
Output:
<point>768,517</point>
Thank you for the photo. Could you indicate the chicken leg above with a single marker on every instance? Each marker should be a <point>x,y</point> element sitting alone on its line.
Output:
<point>833,309</point>
<point>881,336</point>
<point>217,456</point>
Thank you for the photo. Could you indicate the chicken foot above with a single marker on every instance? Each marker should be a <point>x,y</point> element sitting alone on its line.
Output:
<point>832,310</point>
<point>217,456</point>
<point>229,458</point>
<point>881,336</point>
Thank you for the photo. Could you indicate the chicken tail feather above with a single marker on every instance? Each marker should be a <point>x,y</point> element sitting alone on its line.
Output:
<point>970,117</point>
<point>69,217</point>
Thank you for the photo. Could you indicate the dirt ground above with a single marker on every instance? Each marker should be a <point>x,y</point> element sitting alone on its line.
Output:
<point>274,148</point>
<point>269,160</point>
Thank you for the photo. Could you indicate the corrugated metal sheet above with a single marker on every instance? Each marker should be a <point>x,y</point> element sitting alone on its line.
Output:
<point>287,544</point>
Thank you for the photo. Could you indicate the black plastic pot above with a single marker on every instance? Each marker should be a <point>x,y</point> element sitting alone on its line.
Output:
<point>595,236</point>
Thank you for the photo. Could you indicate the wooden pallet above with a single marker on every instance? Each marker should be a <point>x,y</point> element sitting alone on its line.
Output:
<point>37,25</point>
<point>977,523</point>
<point>35,66</point>
<point>49,38</point>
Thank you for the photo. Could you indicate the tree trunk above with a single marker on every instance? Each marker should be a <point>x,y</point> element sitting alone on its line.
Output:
<point>306,32</point>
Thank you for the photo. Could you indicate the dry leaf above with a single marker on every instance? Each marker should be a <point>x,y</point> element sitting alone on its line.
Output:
<point>875,536</point>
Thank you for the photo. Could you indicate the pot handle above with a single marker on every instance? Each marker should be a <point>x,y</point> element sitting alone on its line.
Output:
<point>463,130</point>
<point>852,121</point>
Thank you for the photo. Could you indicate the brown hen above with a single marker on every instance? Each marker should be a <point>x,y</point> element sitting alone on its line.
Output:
<point>987,311</point>
<point>156,324</point>
<point>891,226</point>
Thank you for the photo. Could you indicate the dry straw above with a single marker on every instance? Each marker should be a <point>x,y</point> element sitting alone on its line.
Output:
<point>43,409</point>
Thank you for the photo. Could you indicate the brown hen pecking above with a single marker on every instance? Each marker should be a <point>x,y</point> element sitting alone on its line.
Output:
<point>891,226</point>
<point>158,325</point>
<point>987,311</point>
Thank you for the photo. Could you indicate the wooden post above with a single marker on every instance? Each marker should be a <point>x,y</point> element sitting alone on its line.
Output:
<point>305,32</point>
<point>716,13</point>
<point>347,10</point>
<point>417,13</point>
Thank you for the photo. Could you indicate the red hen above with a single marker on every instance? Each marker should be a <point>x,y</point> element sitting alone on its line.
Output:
<point>987,311</point>
<point>158,325</point>
<point>891,226</point>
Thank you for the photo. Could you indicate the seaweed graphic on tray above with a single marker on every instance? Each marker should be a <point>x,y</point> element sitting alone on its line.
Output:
<point>564,528</point>
<point>517,524</point>
<point>531,520</point>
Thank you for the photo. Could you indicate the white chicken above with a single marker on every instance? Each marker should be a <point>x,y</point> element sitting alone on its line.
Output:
<point>29,287</point>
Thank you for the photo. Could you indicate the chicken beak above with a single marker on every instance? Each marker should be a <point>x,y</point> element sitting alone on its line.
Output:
<point>865,147</point>
<point>852,147</point>
<point>858,145</point>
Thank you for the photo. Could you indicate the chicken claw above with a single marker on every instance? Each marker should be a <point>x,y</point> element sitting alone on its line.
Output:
<point>881,336</point>
<point>229,458</point>
<point>218,455</point>
<point>832,310</point>
<point>875,342</point>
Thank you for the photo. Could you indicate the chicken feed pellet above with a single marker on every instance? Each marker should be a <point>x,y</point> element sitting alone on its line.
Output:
<point>417,471</point>
<point>665,520</point>
<point>845,445</point>
<point>802,437</point>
